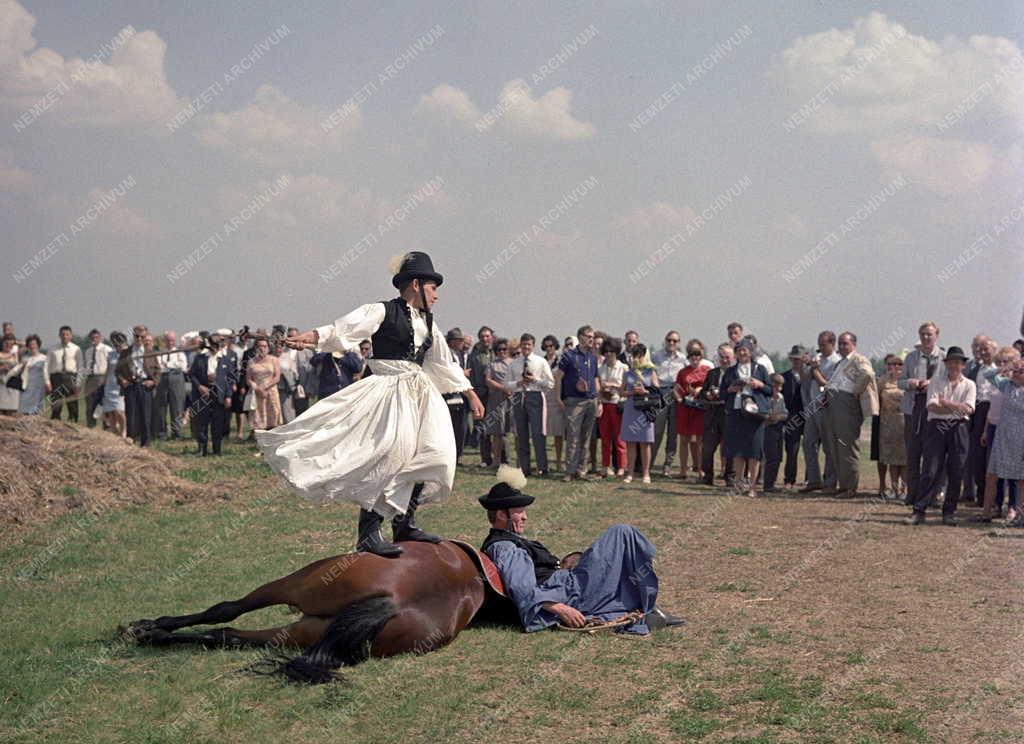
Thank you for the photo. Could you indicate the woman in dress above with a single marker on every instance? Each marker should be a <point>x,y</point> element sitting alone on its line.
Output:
<point>1006,446</point>
<point>262,376</point>
<point>611,372</point>
<point>499,400</point>
<point>744,434</point>
<point>35,374</point>
<point>689,414</point>
<point>555,414</point>
<point>9,397</point>
<point>113,394</point>
<point>892,450</point>
<point>637,429</point>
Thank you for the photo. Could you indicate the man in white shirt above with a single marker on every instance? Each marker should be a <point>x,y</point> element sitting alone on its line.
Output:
<point>844,413</point>
<point>814,376</point>
<point>668,360</point>
<point>8,330</point>
<point>65,362</point>
<point>93,375</point>
<point>951,401</point>
<point>170,392</point>
<point>529,377</point>
<point>977,452</point>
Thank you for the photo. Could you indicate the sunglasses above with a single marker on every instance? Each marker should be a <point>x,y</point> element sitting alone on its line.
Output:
<point>671,340</point>
<point>695,355</point>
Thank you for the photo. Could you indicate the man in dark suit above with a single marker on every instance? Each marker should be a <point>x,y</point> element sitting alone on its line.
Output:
<point>714,417</point>
<point>213,374</point>
<point>794,428</point>
<point>456,402</point>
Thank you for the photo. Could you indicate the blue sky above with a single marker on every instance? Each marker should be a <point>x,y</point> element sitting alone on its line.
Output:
<point>928,98</point>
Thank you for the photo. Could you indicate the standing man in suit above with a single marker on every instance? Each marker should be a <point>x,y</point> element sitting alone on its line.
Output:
<point>920,366</point>
<point>65,364</point>
<point>792,394</point>
<point>853,380</point>
<point>456,340</point>
<point>213,374</point>
<point>94,371</point>
<point>170,393</point>
<point>711,397</point>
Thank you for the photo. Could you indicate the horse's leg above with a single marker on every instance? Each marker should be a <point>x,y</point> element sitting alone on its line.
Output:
<point>279,591</point>
<point>300,634</point>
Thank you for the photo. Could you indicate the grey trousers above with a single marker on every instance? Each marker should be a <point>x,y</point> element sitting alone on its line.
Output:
<point>170,396</point>
<point>580,415</point>
<point>528,414</point>
<point>814,426</point>
<point>666,420</point>
<point>843,419</point>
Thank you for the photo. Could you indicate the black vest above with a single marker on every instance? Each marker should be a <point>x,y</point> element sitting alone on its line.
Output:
<point>544,562</point>
<point>394,338</point>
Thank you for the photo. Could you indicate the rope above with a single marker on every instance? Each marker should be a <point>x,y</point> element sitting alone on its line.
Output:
<point>595,624</point>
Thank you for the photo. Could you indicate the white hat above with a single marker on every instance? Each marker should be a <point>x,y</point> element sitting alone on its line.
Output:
<point>224,332</point>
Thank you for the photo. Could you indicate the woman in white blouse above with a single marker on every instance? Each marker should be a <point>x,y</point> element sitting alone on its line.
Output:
<point>611,372</point>
<point>36,375</point>
<point>384,442</point>
<point>9,397</point>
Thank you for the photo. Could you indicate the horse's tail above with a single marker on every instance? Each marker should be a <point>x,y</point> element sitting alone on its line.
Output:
<point>346,641</point>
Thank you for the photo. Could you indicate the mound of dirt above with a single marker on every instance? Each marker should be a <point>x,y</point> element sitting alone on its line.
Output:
<point>49,468</point>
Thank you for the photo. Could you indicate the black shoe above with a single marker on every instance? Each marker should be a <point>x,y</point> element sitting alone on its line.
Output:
<point>658,619</point>
<point>916,519</point>
<point>404,528</point>
<point>371,540</point>
<point>949,520</point>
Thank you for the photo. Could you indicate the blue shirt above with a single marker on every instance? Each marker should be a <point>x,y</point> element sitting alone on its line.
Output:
<point>577,365</point>
<point>336,374</point>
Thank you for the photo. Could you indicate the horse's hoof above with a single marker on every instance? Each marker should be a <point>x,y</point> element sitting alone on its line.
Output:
<point>140,631</point>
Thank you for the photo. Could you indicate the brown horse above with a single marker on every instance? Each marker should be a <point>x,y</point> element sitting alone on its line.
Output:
<point>353,606</point>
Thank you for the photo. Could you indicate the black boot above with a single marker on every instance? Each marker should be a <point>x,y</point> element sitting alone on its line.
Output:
<point>371,540</point>
<point>404,528</point>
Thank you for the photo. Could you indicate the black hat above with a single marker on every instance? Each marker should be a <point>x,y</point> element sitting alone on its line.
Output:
<point>797,351</point>
<point>415,265</point>
<point>955,352</point>
<point>506,493</point>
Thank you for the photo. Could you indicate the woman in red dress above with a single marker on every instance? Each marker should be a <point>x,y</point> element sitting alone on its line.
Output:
<point>689,415</point>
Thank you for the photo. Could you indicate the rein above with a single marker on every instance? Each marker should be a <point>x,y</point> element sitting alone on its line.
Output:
<point>595,625</point>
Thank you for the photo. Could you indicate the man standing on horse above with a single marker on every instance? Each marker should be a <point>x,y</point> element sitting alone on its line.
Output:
<point>386,441</point>
<point>612,578</point>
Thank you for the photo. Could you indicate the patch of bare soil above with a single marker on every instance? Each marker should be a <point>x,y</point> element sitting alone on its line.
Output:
<point>49,468</point>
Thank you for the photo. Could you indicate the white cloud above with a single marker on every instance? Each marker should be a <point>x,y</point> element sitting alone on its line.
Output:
<point>658,216</point>
<point>944,166</point>
<point>122,83</point>
<point>517,113</point>
<point>273,129</point>
<point>876,76</point>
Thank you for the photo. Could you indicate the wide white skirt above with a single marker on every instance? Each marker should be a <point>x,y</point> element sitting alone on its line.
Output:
<point>369,443</point>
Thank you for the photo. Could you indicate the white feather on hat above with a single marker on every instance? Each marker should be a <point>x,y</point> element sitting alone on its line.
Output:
<point>514,477</point>
<point>395,263</point>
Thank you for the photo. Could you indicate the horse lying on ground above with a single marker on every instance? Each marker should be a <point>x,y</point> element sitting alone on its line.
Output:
<point>353,606</point>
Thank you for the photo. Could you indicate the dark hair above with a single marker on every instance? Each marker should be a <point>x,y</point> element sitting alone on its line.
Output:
<point>897,357</point>
<point>33,337</point>
<point>95,330</point>
<point>851,334</point>
<point>752,339</point>
<point>527,337</point>
<point>734,324</point>
<point>8,337</point>
<point>828,336</point>
<point>613,345</point>
<point>695,342</point>
<point>485,328</point>
<point>581,330</point>
<point>629,332</point>
<point>499,342</point>
<point>64,328</point>
<point>292,328</point>
<point>549,339</point>
<point>639,350</point>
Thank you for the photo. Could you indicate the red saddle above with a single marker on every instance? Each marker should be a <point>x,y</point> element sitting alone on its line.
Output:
<point>486,566</point>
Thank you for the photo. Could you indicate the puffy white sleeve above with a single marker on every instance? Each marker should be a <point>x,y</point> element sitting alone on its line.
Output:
<point>443,369</point>
<point>347,332</point>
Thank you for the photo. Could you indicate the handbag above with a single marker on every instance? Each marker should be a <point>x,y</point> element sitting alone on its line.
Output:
<point>15,381</point>
<point>754,407</point>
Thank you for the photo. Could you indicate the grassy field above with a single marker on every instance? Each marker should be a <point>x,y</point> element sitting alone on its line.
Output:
<point>810,620</point>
